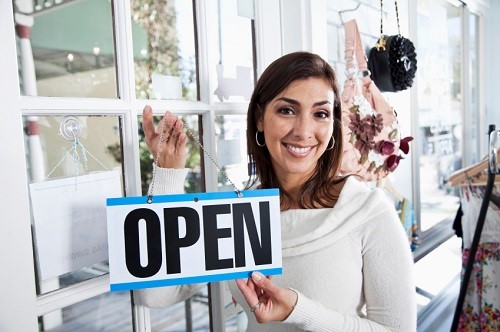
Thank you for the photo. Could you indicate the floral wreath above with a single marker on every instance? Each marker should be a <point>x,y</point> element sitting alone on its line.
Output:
<point>365,125</point>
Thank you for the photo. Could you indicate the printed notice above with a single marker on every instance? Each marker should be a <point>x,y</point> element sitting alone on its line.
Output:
<point>192,238</point>
<point>70,221</point>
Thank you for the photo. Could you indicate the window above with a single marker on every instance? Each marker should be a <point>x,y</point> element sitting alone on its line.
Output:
<point>87,68</point>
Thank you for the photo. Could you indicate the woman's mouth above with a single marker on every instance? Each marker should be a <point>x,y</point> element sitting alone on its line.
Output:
<point>297,150</point>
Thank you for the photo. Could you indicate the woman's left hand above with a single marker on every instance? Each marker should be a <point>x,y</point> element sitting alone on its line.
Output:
<point>276,302</point>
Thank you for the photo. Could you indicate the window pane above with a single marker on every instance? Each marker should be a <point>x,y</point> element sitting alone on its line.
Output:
<point>437,270</point>
<point>234,79</point>
<point>474,146</point>
<point>440,110</point>
<point>194,181</point>
<point>107,312</point>
<point>71,173</point>
<point>71,49</point>
<point>190,315</point>
<point>232,152</point>
<point>164,49</point>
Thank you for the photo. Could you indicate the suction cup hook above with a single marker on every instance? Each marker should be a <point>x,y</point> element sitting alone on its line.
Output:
<point>494,152</point>
<point>71,128</point>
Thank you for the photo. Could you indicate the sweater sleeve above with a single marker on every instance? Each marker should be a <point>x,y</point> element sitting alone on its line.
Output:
<point>388,284</point>
<point>167,181</point>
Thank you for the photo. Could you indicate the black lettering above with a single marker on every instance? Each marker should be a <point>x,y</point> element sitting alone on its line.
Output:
<point>172,239</point>
<point>242,214</point>
<point>132,246</point>
<point>213,234</point>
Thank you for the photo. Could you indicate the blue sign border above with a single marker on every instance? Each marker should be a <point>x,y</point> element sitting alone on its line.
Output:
<point>189,280</point>
<point>191,197</point>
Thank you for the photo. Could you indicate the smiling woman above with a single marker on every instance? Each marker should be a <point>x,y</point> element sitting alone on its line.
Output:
<point>346,261</point>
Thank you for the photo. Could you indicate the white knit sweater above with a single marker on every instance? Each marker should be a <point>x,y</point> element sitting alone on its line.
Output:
<point>351,265</point>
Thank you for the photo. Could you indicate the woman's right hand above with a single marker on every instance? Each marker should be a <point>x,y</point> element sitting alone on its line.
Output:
<point>172,149</point>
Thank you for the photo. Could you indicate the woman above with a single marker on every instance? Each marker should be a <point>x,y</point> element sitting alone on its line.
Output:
<point>347,265</point>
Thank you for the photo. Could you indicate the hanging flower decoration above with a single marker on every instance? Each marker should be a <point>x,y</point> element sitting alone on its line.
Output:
<point>386,148</point>
<point>404,144</point>
<point>365,125</point>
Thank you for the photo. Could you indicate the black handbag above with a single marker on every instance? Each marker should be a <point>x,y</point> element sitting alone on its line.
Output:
<point>393,60</point>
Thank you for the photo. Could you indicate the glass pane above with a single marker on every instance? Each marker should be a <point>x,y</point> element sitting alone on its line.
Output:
<point>437,270</point>
<point>71,52</point>
<point>440,110</point>
<point>233,51</point>
<point>190,315</point>
<point>474,146</point>
<point>107,312</point>
<point>194,181</point>
<point>71,172</point>
<point>164,49</point>
<point>231,151</point>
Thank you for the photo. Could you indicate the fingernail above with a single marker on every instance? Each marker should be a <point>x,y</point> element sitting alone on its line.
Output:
<point>257,276</point>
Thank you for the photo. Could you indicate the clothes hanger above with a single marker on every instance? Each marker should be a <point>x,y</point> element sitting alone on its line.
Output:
<point>467,175</point>
<point>348,10</point>
<point>475,174</point>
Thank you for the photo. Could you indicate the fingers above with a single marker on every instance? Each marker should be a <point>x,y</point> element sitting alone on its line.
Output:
<point>267,301</point>
<point>147,123</point>
<point>167,142</point>
<point>248,291</point>
<point>262,282</point>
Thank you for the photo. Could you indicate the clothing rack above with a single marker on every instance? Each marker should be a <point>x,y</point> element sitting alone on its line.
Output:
<point>492,171</point>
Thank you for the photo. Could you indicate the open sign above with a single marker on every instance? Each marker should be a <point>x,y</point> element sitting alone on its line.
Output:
<point>192,238</point>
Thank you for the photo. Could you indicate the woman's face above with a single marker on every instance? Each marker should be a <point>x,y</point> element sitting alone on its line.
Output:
<point>298,126</point>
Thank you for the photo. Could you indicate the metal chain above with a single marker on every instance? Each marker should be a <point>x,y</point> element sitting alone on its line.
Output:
<point>382,16</point>
<point>397,15</point>
<point>160,140</point>
<point>155,161</point>
<point>238,192</point>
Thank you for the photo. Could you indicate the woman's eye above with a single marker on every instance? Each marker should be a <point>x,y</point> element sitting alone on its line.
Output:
<point>285,110</point>
<point>322,114</point>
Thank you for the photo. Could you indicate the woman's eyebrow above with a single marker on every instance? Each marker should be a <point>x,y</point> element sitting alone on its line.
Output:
<point>295,102</point>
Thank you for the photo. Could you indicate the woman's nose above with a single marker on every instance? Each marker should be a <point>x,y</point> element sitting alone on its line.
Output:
<point>304,127</point>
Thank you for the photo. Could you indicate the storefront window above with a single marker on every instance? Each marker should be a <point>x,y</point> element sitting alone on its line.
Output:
<point>440,109</point>
<point>234,54</point>
<point>71,172</point>
<point>66,48</point>
<point>164,49</point>
<point>107,312</point>
<point>232,152</point>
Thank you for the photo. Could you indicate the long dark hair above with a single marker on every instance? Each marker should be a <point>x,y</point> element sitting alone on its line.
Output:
<point>319,188</point>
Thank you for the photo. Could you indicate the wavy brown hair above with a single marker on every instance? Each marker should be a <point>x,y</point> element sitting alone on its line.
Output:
<point>319,190</point>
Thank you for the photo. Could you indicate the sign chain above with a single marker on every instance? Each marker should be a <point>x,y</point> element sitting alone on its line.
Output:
<point>160,140</point>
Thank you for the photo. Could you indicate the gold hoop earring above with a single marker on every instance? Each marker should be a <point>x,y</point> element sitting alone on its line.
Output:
<point>257,138</point>
<point>331,147</point>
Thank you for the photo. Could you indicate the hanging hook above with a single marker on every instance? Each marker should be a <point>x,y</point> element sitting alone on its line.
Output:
<point>348,10</point>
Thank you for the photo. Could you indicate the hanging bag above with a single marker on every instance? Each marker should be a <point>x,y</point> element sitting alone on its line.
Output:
<point>393,61</point>
<point>371,131</point>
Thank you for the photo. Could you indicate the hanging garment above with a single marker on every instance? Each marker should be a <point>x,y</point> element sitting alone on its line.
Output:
<point>481,308</point>
<point>409,221</point>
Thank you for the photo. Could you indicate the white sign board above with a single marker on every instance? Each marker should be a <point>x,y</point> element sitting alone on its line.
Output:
<point>70,221</point>
<point>192,238</point>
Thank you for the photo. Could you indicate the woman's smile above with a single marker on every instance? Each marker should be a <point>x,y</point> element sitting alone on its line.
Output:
<point>298,151</point>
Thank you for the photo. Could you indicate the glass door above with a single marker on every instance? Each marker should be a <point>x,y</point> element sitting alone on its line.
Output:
<point>83,72</point>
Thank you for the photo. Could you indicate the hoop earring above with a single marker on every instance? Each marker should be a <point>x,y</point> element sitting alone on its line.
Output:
<point>331,147</point>
<point>257,138</point>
